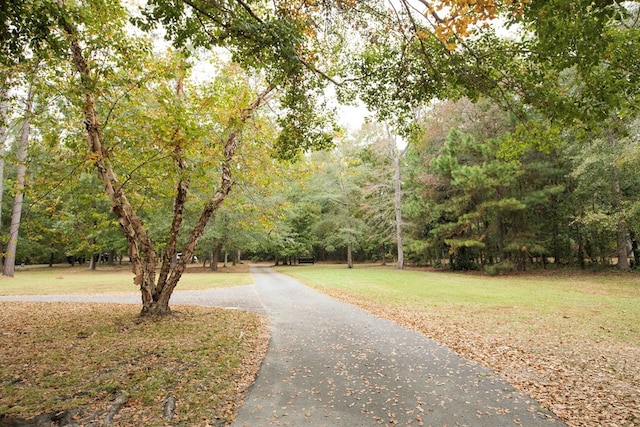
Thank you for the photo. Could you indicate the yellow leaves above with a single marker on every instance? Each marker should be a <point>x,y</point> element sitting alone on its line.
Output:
<point>94,157</point>
<point>455,19</point>
<point>347,3</point>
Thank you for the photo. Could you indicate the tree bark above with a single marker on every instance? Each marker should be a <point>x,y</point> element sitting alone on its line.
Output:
<point>397,204</point>
<point>4,117</point>
<point>634,248</point>
<point>16,215</point>
<point>141,249</point>
<point>622,245</point>
<point>395,155</point>
<point>230,146</point>
<point>622,231</point>
<point>581,255</point>
<point>215,256</point>
<point>169,258</point>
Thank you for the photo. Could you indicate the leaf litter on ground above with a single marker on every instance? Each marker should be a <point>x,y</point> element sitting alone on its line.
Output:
<point>585,380</point>
<point>104,364</point>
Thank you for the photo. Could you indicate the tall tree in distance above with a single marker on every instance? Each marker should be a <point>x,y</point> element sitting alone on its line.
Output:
<point>21,171</point>
<point>4,130</point>
<point>396,154</point>
<point>382,154</point>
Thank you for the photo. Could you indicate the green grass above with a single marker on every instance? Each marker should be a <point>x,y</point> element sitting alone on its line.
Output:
<point>596,303</point>
<point>109,279</point>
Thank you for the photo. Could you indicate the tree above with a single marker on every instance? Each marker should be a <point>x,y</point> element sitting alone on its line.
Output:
<point>397,155</point>
<point>327,204</point>
<point>4,130</point>
<point>573,63</point>
<point>605,185</point>
<point>596,82</point>
<point>143,256</point>
<point>269,42</point>
<point>338,197</point>
<point>22,144</point>
<point>381,159</point>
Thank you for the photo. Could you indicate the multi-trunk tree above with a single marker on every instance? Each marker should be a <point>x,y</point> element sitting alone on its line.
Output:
<point>198,133</point>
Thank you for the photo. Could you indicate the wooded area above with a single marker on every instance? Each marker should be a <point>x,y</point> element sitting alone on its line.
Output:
<point>503,135</point>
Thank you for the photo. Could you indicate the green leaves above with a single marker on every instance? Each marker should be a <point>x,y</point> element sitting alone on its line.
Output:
<point>587,53</point>
<point>273,41</point>
<point>26,30</point>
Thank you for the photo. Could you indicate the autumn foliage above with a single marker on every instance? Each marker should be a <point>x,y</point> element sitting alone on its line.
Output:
<point>455,19</point>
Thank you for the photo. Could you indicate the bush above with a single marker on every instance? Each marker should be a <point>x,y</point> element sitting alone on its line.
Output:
<point>498,269</point>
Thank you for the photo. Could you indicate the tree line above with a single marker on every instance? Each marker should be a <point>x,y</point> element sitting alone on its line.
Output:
<point>518,123</point>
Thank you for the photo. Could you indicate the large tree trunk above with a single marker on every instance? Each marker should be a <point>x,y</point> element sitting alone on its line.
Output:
<point>141,249</point>
<point>165,290</point>
<point>155,297</point>
<point>12,244</point>
<point>635,249</point>
<point>622,232</point>
<point>349,255</point>
<point>623,245</point>
<point>395,155</point>
<point>215,256</point>
<point>4,117</point>
<point>397,203</point>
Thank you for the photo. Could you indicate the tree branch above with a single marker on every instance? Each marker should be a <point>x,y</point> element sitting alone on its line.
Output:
<point>219,197</point>
<point>131,224</point>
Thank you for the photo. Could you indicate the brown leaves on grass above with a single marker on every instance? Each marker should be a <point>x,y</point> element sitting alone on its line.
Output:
<point>585,381</point>
<point>79,359</point>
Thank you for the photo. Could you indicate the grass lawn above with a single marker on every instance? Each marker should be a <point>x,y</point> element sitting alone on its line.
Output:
<point>108,279</point>
<point>571,340</point>
<point>101,364</point>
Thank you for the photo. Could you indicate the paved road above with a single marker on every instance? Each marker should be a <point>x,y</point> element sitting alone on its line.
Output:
<point>332,364</point>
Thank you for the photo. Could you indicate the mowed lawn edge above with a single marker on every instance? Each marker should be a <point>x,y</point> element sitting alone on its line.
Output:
<point>569,340</point>
<point>111,279</point>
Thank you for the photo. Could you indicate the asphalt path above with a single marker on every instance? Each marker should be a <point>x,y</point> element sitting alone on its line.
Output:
<point>332,364</point>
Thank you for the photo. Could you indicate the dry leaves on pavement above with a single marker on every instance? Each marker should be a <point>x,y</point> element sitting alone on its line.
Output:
<point>585,381</point>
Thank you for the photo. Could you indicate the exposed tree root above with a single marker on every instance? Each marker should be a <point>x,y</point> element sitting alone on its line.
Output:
<point>71,418</point>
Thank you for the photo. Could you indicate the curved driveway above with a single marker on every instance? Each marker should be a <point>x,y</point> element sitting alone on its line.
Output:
<point>332,364</point>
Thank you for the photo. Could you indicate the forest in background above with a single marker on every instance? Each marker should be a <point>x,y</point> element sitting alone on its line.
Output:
<point>467,202</point>
<point>485,149</point>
